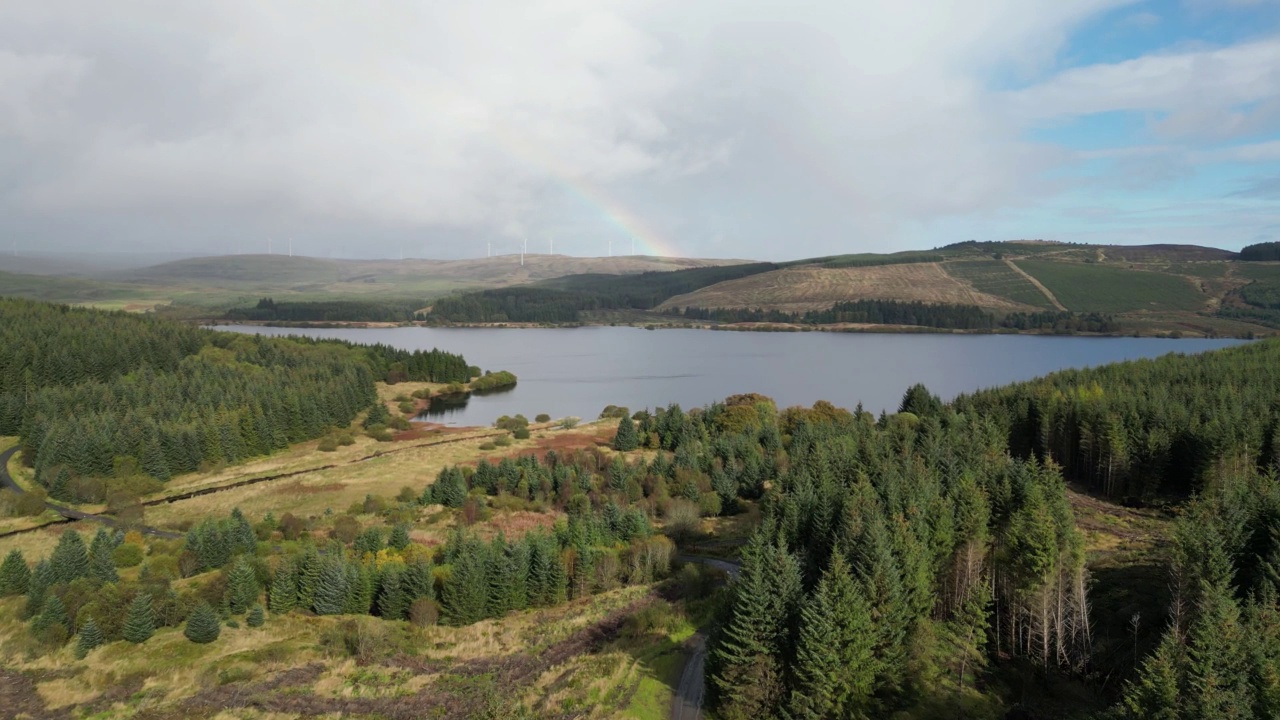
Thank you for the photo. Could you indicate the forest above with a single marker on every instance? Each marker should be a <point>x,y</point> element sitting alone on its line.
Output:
<point>562,300</point>
<point>892,312</point>
<point>1149,428</point>
<point>1261,252</point>
<point>926,562</point>
<point>269,310</point>
<point>92,394</point>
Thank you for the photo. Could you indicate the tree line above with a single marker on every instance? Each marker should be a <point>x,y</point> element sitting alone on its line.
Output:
<point>1147,428</point>
<point>270,310</point>
<point>95,394</point>
<point>1261,252</point>
<point>919,314</point>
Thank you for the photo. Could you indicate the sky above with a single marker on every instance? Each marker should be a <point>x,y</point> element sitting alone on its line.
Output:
<point>764,129</point>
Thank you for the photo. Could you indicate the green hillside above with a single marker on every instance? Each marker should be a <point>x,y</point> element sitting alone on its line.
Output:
<point>1086,287</point>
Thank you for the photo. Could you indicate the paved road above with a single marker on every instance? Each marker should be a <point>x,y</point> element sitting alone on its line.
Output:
<point>687,703</point>
<point>71,513</point>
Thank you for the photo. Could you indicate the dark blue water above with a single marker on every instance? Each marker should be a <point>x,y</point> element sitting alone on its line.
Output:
<point>578,371</point>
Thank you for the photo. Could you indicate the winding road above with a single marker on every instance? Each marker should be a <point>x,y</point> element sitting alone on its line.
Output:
<point>7,481</point>
<point>687,703</point>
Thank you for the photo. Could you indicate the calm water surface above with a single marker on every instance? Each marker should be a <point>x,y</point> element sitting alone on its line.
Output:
<point>577,371</point>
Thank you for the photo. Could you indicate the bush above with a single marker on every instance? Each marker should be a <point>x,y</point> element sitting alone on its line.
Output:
<point>402,398</point>
<point>407,407</point>
<point>379,433</point>
<point>569,423</point>
<point>488,446</point>
<point>327,445</point>
<point>521,433</point>
<point>256,617</point>
<point>424,612</point>
<point>542,417</point>
<point>683,518</point>
<point>613,412</point>
<point>127,555</point>
<point>503,441</point>
<point>345,439</point>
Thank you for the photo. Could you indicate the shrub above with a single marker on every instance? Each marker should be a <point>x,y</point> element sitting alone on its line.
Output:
<point>569,423</point>
<point>402,398</point>
<point>327,445</point>
<point>521,433</point>
<point>345,529</point>
<point>488,446</point>
<point>127,555</point>
<point>683,518</point>
<point>407,407</point>
<point>503,441</point>
<point>379,433</point>
<point>424,612</point>
<point>542,417</point>
<point>345,439</point>
<point>203,626</point>
<point>255,618</point>
<point>614,412</point>
<point>399,423</point>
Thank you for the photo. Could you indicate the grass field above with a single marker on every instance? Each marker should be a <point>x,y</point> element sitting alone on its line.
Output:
<point>995,277</point>
<point>1257,271</point>
<point>797,289</point>
<point>1086,287</point>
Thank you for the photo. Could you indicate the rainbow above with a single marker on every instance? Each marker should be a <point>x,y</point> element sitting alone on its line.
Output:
<point>649,241</point>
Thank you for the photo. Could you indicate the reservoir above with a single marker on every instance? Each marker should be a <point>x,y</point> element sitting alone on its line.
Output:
<point>578,371</point>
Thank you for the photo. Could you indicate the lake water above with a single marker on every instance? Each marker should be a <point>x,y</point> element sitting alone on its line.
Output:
<point>578,371</point>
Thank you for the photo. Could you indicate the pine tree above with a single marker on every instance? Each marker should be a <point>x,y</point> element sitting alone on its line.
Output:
<point>140,624</point>
<point>308,577</point>
<point>53,613</point>
<point>255,617</point>
<point>242,587</point>
<point>203,626</point>
<point>42,578</point>
<point>331,587</point>
<point>1217,667</point>
<point>391,599</point>
<point>835,664</point>
<point>15,576</point>
<point>1156,694</point>
<point>463,595</point>
<point>627,439</point>
<point>399,537</point>
<point>70,559</point>
<point>284,589</point>
<point>101,567</point>
<point>418,581</point>
<point>90,638</point>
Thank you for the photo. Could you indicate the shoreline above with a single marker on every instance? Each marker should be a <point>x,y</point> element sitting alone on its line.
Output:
<point>861,328</point>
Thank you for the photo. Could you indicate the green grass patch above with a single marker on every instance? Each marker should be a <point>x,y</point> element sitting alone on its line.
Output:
<point>1257,271</point>
<point>1103,288</point>
<point>995,277</point>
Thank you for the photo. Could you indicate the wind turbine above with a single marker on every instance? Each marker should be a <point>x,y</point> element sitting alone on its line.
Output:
<point>523,247</point>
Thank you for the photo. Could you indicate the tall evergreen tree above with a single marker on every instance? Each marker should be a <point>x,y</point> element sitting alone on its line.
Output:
<point>15,576</point>
<point>399,538</point>
<point>283,596</point>
<point>835,666</point>
<point>242,587</point>
<point>101,566</point>
<point>464,593</point>
<point>90,638</point>
<point>70,559</point>
<point>391,599</point>
<point>626,439</point>
<point>1217,666</point>
<point>331,587</point>
<point>140,624</point>
<point>203,626</point>
<point>1156,693</point>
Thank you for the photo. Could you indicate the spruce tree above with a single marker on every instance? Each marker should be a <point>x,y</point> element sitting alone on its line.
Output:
<point>15,576</point>
<point>627,438</point>
<point>53,613</point>
<point>418,581</point>
<point>203,626</point>
<point>308,577</point>
<point>1217,667</point>
<point>70,559</point>
<point>1156,694</point>
<point>463,595</point>
<point>101,566</point>
<point>90,638</point>
<point>284,589</point>
<point>835,663</point>
<point>140,624</point>
<point>399,537</point>
<point>391,599</point>
<point>242,587</point>
<point>42,578</point>
<point>255,617</point>
<point>331,587</point>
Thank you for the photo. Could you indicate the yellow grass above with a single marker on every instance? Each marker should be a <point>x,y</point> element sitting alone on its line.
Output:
<point>797,289</point>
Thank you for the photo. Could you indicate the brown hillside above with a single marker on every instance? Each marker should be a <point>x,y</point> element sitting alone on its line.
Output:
<point>810,287</point>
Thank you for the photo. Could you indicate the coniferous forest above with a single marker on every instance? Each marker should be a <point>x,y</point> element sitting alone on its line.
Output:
<point>86,390</point>
<point>927,562</point>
